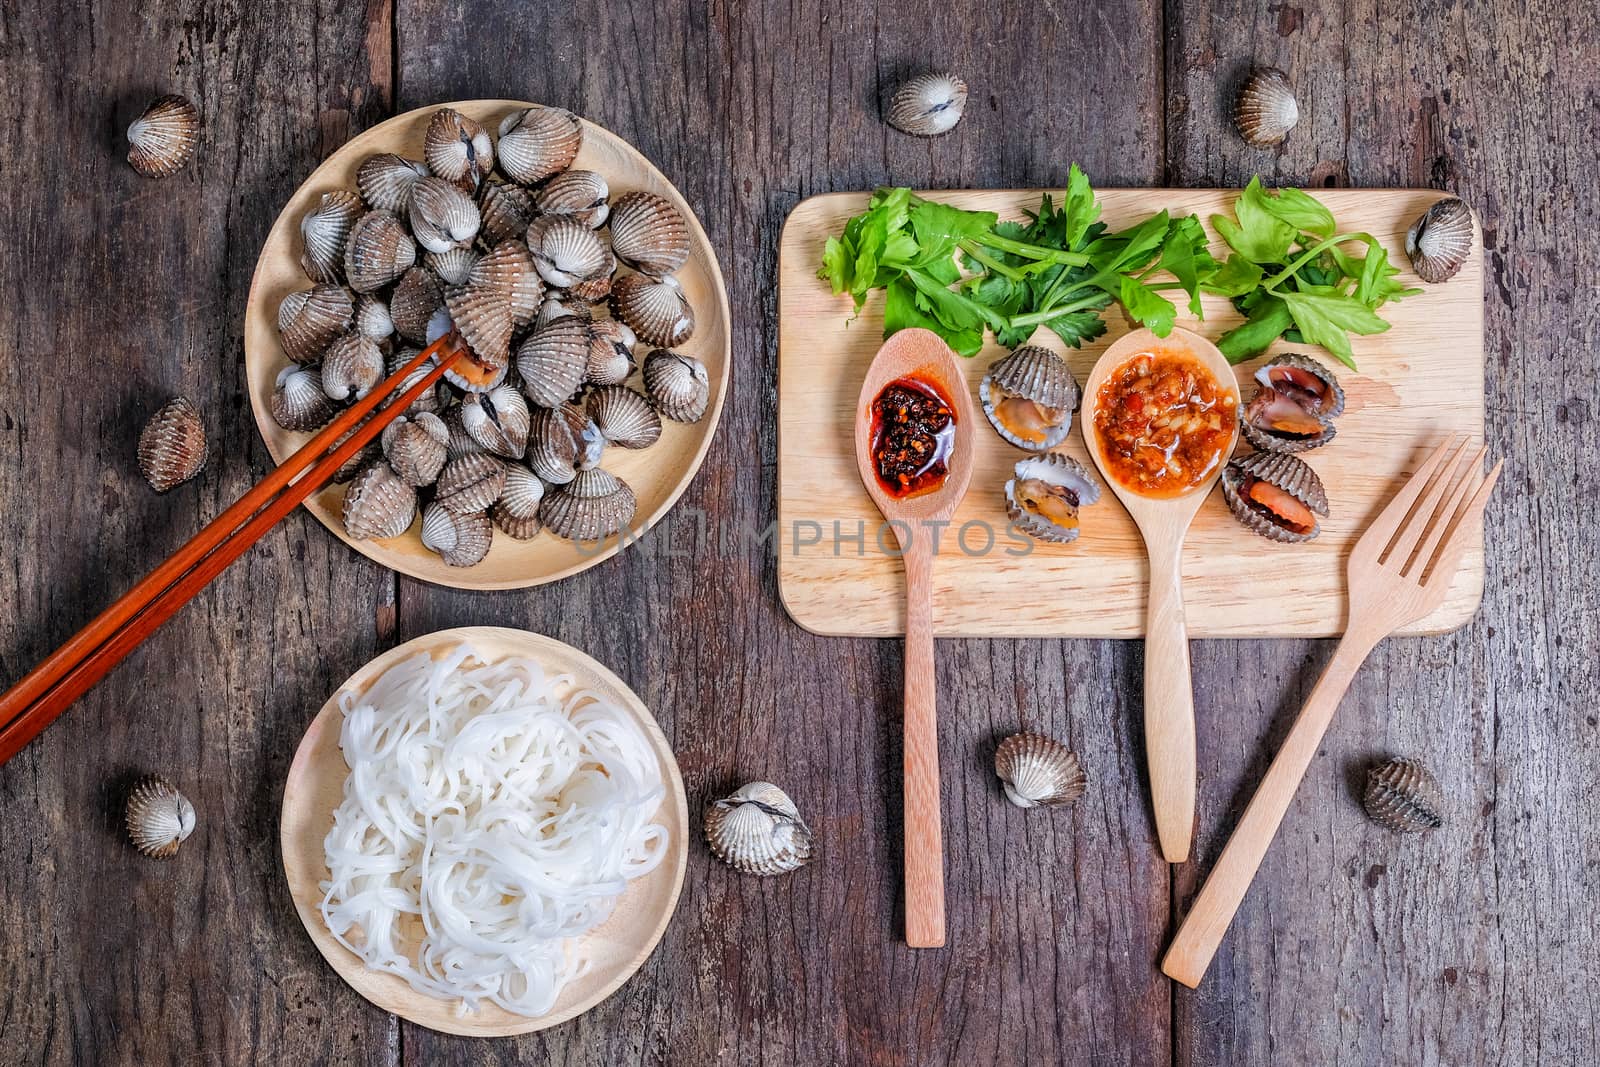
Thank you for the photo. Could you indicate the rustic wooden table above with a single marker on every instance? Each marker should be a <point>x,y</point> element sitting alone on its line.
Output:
<point>1473,945</point>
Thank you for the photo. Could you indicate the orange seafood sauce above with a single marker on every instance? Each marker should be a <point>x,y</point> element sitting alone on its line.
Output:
<point>1164,422</point>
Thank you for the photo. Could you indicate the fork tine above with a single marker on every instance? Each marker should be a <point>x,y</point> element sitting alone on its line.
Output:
<point>1425,510</point>
<point>1448,559</point>
<point>1388,521</point>
<point>1463,487</point>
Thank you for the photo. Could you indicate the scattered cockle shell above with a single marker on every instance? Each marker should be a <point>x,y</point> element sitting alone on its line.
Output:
<point>655,308</point>
<point>595,289</point>
<point>928,105</point>
<point>416,296</point>
<point>552,361</point>
<point>298,402</point>
<point>372,317</point>
<point>163,137</point>
<point>1265,110</point>
<point>521,494</point>
<point>324,230</point>
<point>677,385</point>
<point>506,211</point>
<point>456,148</point>
<point>582,194</point>
<point>442,216</point>
<point>565,251</point>
<point>1044,494</point>
<point>483,315</point>
<point>1275,495</point>
<point>758,830</point>
<point>518,528</point>
<point>378,504</point>
<point>470,483</point>
<point>552,447</point>
<point>1403,796</point>
<point>648,233</point>
<point>1038,771</point>
<point>498,420</point>
<point>386,182</point>
<point>1030,397</point>
<point>309,320</point>
<point>460,540</point>
<point>1440,241</point>
<point>415,446</point>
<point>595,504</point>
<point>172,446</point>
<point>558,306</point>
<point>623,416</point>
<point>537,142</point>
<point>610,352</point>
<point>454,265</point>
<point>379,251</point>
<point>352,365</point>
<point>159,818</point>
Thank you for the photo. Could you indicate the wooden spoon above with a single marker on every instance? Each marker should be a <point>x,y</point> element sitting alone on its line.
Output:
<point>1163,522</point>
<point>917,522</point>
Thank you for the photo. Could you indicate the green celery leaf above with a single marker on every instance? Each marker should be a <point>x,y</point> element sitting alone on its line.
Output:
<point>1185,256</point>
<point>944,271</point>
<point>900,312</point>
<point>836,263</point>
<point>1299,209</point>
<point>1078,208</point>
<point>1148,307</point>
<point>1234,278</point>
<point>932,221</point>
<point>1076,327</point>
<point>1268,318</point>
<point>1324,320</point>
<point>1259,235</point>
<point>954,309</point>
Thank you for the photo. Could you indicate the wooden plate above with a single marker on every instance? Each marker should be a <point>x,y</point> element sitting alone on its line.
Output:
<point>616,948</point>
<point>658,474</point>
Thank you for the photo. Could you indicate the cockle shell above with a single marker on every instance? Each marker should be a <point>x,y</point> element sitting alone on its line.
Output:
<point>928,105</point>
<point>506,211</point>
<point>1029,397</point>
<point>352,365</point>
<point>521,494</point>
<point>324,230</point>
<point>483,315</point>
<point>558,306</point>
<point>298,402</point>
<point>1275,495</point>
<point>498,420</point>
<point>518,528</point>
<point>677,385</point>
<point>565,251</point>
<point>537,142</point>
<point>163,138</point>
<point>378,504</point>
<point>1440,241</point>
<point>506,267</point>
<point>416,296</point>
<point>454,265</point>
<point>552,447</point>
<point>552,361</point>
<point>430,400</point>
<point>1038,771</point>
<point>415,447</point>
<point>309,320</point>
<point>442,216</point>
<point>372,318</point>
<point>461,442</point>
<point>595,289</point>
<point>1044,494</point>
<point>595,504</point>
<point>369,453</point>
<point>1306,381</point>
<point>470,483</point>
<point>1403,796</point>
<point>379,251</point>
<point>758,830</point>
<point>655,308</point>
<point>649,234</point>
<point>1265,110</point>
<point>580,193</point>
<point>460,540</point>
<point>610,352</point>
<point>159,818</point>
<point>456,148</point>
<point>623,416</point>
<point>172,446</point>
<point>386,182</point>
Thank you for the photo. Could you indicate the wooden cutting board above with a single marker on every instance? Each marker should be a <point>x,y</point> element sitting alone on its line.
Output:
<point>1420,380</point>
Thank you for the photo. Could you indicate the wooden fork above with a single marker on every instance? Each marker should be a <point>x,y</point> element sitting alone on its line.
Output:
<point>1399,570</point>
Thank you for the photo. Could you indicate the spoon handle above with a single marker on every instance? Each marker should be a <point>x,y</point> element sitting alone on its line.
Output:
<point>924,842</point>
<point>1169,702</point>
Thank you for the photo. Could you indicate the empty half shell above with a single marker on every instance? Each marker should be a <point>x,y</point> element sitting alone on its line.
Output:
<point>456,148</point>
<point>506,211</point>
<point>309,320</point>
<point>442,216</point>
<point>378,504</point>
<point>159,818</point>
<point>1403,796</point>
<point>416,296</point>
<point>595,504</point>
<point>1044,494</point>
<point>1265,110</point>
<point>537,142</point>
<point>298,402</point>
<point>928,105</point>
<point>378,251</point>
<point>163,137</point>
<point>758,830</point>
<point>1275,495</point>
<point>415,447</point>
<point>324,230</point>
<point>649,234</point>
<point>655,308</point>
<point>172,446</point>
<point>1038,771</point>
<point>459,540</point>
<point>470,483</point>
<point>610,352</point>
<point>483,315</point>
<point>1440,241</point>
<point>498,420</point>
<point>552,361</point>
<point>566,252</point>
<point>624,417</point>
<point>1029,397</point>
<point>582,194</point>
<point>352,365</point>
<point>677,385</point>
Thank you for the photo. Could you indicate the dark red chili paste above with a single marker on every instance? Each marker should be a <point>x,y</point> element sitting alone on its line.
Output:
<point>913,431</point>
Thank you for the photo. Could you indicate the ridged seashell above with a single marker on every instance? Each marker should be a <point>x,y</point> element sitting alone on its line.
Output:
<point>1265,110</point>
<point>1038,771</point>
<point>498,420</point>
<point>1275,495</point>
<point>456,148</point>
<point>518,528</point>
<point>159,818</point>
<point>429,400</point>
<point>552,447</point>
<point>459,540</point>
<point>309,320</point>
<point>1440,241</point>
<point>164,136</point>
<point>677,385</point>
<point>928,105</point>
<point>386,181</point>
<point>1029,397</point>
<point>648,233</point>
<point>1044,494</point>
<point>623,416</point>
<point>379,251</point>
<point>508,268</point>
<point>595,504</point>
<point>416,296</point>
<point>595,289</point>
<point>656,309</point>
<point>372,317</point>
<point>454,265</point>
<point>415,446</point>
<point>324,230</point>
<point>565,251</point>
<point>461,442</point>
<point>378,504</point>
<point>610,352</point>
<point>368,453</point>
<point>351,367</point>
<point>558,306</point>
<point>298,402</point>
<point>442,216</point>
<point>521,495</point>
<point>1288,419</point>
<point>470,483</point>
<point>1305,381</point>
<point>506,211</point>
<point>172,446</point>
<point>1403,796</point>
<point>583,194</point>
<point>758,830</point>
<point>552,361</point>
<point>537,142</point>
<point>483,315</point>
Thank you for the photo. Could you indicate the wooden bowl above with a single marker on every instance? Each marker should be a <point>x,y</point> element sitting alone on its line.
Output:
<point>616,948</point>
<point>658,474</point>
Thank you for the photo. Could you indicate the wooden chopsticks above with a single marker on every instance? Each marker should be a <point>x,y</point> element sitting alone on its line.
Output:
<point>68,672</point>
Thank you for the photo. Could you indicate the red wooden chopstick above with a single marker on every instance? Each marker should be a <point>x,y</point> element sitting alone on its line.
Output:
<point>67,673</point>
